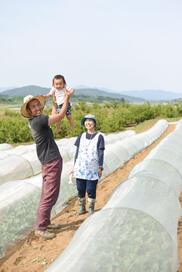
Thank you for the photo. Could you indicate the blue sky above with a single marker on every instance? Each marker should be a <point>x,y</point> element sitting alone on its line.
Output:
<point>115,44</point>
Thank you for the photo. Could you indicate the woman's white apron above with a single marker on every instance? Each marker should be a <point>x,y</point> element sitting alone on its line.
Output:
<point>87,162</point>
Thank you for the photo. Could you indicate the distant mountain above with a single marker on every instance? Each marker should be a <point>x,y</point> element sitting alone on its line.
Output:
<point>91,92</point>
<point>97,92</point>
<point>129,96</point>
<point>26,90</point>
<point>155,95</point>
<point>82,87</point>
<point>2,89</point>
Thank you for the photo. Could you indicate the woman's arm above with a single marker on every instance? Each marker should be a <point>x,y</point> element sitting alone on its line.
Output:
<point>100,149</point>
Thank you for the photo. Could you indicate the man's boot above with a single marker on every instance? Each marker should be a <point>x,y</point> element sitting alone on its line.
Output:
<point>81,202</point>
<point>45,234</point>
<point>91,205</point>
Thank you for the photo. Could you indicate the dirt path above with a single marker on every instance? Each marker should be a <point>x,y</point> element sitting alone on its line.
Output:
<point>35,255</point>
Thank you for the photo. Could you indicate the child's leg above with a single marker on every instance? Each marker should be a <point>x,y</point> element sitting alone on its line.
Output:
<point>69,117</point>
<point>91,191</point>
<point>81,187</point>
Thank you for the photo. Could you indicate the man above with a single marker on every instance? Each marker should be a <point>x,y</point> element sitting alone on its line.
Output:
<point>49,156</point>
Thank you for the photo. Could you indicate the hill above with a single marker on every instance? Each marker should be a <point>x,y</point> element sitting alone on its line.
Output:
<point>154,95</point>
<point>26,90</point>
<point>86,92</point>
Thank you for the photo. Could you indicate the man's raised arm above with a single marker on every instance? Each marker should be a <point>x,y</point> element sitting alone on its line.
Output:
<point>54,118</point>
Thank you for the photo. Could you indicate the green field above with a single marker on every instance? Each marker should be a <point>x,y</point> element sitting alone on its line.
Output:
<point>111,117</point>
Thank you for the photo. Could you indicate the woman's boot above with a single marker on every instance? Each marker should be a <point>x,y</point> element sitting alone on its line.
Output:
<point>81,202</point>
<point>91,205</point>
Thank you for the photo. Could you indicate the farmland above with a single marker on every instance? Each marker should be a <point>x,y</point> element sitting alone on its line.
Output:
<point>111,117</point>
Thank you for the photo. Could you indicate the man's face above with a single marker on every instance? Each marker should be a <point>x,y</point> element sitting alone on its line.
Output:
<point>89,124</point>
<point>58,84</point>
<point>35,108</point>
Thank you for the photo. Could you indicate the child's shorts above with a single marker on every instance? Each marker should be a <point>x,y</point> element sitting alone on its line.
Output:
<point>68,112</point>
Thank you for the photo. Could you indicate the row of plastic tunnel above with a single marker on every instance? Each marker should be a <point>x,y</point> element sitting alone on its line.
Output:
<point>135,231</point>
<point>137,228</point>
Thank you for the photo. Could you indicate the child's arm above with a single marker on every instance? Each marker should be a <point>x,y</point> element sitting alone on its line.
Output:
<point>47,95</point>
<point>52,92</point>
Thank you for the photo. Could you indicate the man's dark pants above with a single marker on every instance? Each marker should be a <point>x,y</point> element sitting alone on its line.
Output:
<point>51,175</point>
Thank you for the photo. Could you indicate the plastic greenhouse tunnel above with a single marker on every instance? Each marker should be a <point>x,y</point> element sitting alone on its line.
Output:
<point>137,228</point>
<point>16,223</point>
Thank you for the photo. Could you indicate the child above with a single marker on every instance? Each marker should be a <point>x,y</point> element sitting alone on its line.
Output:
<point>88,163</point>
<point>59,85</point>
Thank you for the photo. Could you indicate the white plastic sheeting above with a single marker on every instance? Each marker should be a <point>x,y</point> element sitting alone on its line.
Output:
<point>160,170</point>
<point>14,167</point>
<point>120,152</point>
<point>119,239</point>
<point>150,196</point>
<point>21,162</point>
<point>165,161</point>
<point>137,229</point>
<point>113,138</point>
<point>18,204</point>
<point>5,147</point>
<point>18,163</point>
<point>116,155</point>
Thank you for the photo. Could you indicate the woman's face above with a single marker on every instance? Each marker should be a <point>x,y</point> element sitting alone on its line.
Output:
<point>89,124</point>
<point>58,84</point>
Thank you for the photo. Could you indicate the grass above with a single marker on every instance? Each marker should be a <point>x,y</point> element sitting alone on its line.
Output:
<point>138,128</point>
<point>149,123</point>
<point>143,126</point>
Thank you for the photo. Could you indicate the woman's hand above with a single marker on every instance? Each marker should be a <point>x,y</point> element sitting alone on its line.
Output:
<point>72,171</point>
<point>100,173</point>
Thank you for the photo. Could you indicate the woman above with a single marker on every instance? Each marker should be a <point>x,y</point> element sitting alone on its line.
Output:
<point>88,166</point>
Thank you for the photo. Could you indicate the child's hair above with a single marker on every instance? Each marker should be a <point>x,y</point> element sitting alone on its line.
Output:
<point>59,77</point>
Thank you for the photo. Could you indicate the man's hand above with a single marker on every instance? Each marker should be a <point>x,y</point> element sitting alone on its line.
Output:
<point>67,93</point>
<point>100,173</point>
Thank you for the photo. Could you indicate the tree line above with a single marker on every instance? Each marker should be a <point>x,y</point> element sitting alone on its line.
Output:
<point>111,117</point>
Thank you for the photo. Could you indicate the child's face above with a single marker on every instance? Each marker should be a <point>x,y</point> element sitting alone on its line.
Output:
<point>58,84</point>
<point>89,124</point>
